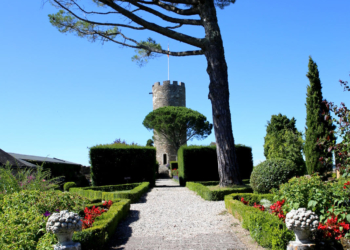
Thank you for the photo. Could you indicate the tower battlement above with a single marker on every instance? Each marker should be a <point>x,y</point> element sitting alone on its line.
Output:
<point>168,83</point>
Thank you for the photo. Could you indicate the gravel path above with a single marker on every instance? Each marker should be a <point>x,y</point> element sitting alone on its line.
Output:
<point>172,217</point>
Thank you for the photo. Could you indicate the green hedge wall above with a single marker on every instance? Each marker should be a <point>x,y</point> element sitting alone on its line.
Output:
<point>265,228</point>
<point>104,227</point>
<point>126,191</point>
<point>218,195</point>
<point>174,164</point>
<point>199,163</point>
<point>113,164</point>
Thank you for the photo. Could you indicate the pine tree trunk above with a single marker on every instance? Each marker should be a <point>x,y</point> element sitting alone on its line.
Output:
<point>219,95</point>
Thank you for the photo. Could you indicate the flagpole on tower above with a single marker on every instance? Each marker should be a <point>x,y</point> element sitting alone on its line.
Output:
<point>168,63</point>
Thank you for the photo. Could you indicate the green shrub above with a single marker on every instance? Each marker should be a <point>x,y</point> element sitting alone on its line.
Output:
<point>199,163</point>
<point>22,220</point>
<point>68,185</point>
<point>114,164</point>
<point>174,165</point>
<point>316,195</point>
<point>210,191</point>
<point>175,172</point>
<point>125,191</point>
<point>272,173</point>
<point>265,228</point>
<point>15,179</point>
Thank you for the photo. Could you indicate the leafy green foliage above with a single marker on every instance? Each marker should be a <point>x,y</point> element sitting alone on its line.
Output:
<point>278,123</point>
<point>323,198</point>
<point>15,179</point>
<point>286,144</point>
<point>272,173</point>
<point>143,55</point>
<point>178,124</point>
<point>68,185</point>
<point>317,126</point>
<point>149,143</point>
<point>267,229</point>
<point>22,220</point>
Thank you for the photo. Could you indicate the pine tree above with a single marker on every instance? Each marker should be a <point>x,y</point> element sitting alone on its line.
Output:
<point>317,126</point>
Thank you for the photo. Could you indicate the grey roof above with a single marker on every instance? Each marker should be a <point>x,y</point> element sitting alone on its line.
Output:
<point>5,157</point>
<point>41,159</point>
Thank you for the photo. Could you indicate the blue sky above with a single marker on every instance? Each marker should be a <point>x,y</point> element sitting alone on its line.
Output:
<point>61,94</point>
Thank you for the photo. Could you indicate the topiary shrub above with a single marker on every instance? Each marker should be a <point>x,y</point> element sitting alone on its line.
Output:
<point>68,185</point>
<point>272,173</point>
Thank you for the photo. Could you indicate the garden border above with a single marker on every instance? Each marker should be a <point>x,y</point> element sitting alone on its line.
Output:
<point>267,229</point>
<point>202,190</point>
<point>93,193</point>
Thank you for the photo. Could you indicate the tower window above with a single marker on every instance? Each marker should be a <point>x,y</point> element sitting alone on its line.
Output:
<point>164,159</point>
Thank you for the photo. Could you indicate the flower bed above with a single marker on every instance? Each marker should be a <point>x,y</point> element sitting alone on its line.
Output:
<point>103,227</point>
<point>125,191</point>
<point>23,217</point>
<point>267,229</point>
<point>208,190</point>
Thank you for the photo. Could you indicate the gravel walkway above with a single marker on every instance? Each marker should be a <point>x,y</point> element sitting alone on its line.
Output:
<point>171,217</point>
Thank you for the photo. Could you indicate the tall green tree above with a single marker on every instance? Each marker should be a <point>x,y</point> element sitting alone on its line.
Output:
<point>276,124</point>
<point>284,141</point>
<point>286,144</point>
<point>178,124</point>
<point>85,20</point>
<point>316,125</point>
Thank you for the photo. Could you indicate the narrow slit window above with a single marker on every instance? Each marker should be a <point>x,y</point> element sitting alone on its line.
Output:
<point>164,159</point>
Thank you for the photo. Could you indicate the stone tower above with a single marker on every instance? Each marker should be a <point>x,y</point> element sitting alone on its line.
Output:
<point>167,95</point>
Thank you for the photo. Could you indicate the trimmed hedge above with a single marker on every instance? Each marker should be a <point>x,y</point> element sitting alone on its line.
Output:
<point>267,229</point>
<point>199,163</point>
<point>174,164</point>
<point>271,174</point>
<point>114,164</point>
<point>95,237</point>
<point>126,191</point>
<point>68,185</point>
<point>218,195</point>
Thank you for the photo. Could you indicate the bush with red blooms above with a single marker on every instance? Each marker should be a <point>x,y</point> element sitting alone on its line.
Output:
<point>260,207</point>
<point>276,209</point>
<point>244,202</point>
<point>91,214</point>
<point>333,228</point>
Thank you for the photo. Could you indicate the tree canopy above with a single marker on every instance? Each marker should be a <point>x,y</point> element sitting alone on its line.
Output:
<point>286,144</point>
<point>178,124</point>
<point>91,19</point>
<point>278,123</point>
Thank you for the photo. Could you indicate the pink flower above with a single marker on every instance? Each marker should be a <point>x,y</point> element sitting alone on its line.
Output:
<point>43,179</point>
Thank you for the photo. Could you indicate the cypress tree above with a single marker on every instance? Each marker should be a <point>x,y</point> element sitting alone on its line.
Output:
<point>317,126</point>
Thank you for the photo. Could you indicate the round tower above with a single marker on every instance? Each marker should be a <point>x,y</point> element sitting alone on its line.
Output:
<point>167,95</point>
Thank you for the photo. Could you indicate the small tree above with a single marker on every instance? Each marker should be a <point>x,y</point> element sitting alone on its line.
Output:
<point>178,124</point>
<point>286,144</point>
<point>149,143</point>
<point>317,126</point>
<point>278,123</point>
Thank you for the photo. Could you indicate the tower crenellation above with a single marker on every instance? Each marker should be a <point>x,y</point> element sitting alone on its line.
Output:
<point>167,94</point>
